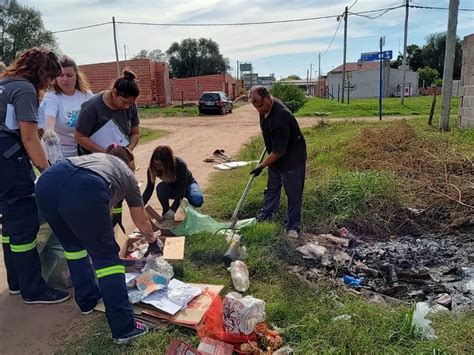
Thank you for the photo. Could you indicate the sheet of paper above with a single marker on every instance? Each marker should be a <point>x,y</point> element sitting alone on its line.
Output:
<point>109,134</point>
<point>174,297</point>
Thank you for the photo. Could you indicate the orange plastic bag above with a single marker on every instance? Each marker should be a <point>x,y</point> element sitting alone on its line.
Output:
<point>212,325</point>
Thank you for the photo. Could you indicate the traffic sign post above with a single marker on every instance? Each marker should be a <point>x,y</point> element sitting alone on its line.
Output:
<point>381,56</point>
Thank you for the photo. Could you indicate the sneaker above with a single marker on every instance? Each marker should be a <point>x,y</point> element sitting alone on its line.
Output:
<point>14,292</point>
<point>293,234</point>
<point>50,296</point>
<point>139,330</point>
<point>92,309</point>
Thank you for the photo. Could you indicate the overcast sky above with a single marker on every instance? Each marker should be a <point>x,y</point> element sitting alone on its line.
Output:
<point>283,49</point>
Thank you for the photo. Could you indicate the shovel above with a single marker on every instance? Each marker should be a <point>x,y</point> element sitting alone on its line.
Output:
<point>232,252</point>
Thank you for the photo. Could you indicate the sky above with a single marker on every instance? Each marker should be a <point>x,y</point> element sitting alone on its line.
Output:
<point>283,48</point>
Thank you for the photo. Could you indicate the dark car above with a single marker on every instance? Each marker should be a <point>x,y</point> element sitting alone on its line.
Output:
<point>215,101</point>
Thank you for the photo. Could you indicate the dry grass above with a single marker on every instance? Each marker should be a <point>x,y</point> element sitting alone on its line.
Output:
<point>437,178</point>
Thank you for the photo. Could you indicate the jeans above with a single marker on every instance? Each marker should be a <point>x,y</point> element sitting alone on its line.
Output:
<point>75,203</point>
<point>20,222</point>
<point>293,183</point>
<point>165,192</point>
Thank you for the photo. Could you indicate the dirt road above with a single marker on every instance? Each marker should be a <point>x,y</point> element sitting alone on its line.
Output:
<point>39,329</point>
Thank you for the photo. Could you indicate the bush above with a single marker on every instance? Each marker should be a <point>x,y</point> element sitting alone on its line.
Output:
<point>292,96</point>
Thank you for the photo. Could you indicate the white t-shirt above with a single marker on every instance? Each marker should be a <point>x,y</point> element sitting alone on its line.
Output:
<point>65,109</point>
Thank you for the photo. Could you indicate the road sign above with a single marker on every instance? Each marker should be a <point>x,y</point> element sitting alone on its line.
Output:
<point>373,56</point>
<point>369,56</point>
<point>387,55</point>
<point>245,67</point>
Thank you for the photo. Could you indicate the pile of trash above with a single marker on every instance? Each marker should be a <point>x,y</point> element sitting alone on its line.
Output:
<point>409,268</point>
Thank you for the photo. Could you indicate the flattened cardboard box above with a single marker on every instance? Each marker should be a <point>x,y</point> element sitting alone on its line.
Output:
<point>190,317</point>
<point>173,247</point>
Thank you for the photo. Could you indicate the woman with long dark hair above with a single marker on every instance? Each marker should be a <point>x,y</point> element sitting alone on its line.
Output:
<point>20,85</point>
<point>177,182</point>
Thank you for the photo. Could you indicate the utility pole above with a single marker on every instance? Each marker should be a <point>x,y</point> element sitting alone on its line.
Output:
<point>381,44</point>
<point>116,49</point>
<point>319,75</point>
<point>449,65</point>
<point>125,52</point>
<point>344,56</point>
<point>307,81</point>
<point>237,74</point>
<point>404,62</point>
<point>310,78</point>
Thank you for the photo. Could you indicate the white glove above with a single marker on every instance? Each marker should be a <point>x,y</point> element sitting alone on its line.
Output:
<point>169,215</point>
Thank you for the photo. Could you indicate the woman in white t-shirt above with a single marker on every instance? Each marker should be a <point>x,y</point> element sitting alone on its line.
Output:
<point>62,104</point>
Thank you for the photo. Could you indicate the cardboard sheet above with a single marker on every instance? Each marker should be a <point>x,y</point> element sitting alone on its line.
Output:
<point>189,317</point>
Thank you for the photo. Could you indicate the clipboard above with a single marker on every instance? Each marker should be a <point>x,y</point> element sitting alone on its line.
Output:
<point>109,134</point>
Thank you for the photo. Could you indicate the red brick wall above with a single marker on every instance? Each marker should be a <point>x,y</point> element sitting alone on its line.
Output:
<point>192,88</point>
<point>153,79</point>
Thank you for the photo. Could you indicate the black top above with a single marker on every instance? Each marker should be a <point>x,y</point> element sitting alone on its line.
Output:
<point>184,178</point>
<point>282,135</point>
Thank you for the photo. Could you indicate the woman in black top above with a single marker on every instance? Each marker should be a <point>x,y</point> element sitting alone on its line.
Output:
<point>177,182</point>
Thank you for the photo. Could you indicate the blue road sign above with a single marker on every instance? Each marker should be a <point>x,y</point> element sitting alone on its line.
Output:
<point>369,56</point>
<point>373,56</point>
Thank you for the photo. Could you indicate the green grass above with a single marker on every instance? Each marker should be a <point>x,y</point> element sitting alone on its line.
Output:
<point>173,111</point>
<point>419,105</point>
<point>148,135</point>
<point>333,196</point>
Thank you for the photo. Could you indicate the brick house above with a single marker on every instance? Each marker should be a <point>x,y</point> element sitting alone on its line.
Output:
<point>191,89</point>
<point>153,78</point>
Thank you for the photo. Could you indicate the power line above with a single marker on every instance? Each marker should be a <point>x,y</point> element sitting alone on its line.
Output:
<point>332,39</point>
<point>436,8</point>
<point>83,27</point>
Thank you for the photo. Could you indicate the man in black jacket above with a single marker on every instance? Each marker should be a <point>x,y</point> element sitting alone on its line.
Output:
<point>286,160</point>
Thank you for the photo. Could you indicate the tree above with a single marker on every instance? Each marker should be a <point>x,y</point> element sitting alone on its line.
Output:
<point>293,77</point>
<point>428,75</point>
<point>414,58</point>
<point>155,55</point>
<point>433,53</point>
<point>193,57</point>
<point>21,27</point>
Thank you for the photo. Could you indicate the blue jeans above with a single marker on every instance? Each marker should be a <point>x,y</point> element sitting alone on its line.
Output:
<point>293,183</point>
<point>20,222</point>
<point>165,192</point>
<point>75,203</point>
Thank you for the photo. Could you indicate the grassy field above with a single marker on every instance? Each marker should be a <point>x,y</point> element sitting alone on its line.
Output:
<point>147,134</point>
<point>334,195</point>
<point>419,105</point>
<point>173,111</point>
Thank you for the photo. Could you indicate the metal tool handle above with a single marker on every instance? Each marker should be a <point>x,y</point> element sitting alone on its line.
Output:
<point>234,218</point>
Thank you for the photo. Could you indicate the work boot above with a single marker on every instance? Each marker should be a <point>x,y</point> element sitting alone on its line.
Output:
<point>139,330</point>
<point>293,234</point>
<point>50,296</point>
<point>89,311</point>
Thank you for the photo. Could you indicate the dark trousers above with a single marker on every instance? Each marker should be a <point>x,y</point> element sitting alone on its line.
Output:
<point>75,203</point>
<point>166,191</point>
<point>293,183</point>
<point>20,222</point>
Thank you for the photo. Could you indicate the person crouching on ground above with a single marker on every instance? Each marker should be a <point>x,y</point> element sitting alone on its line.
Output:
<point>286,160</point>
<point>177,182</point>
<point>75,196</point>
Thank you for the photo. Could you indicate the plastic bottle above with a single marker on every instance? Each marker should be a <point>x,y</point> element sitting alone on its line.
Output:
<point>240,275</point>
<point>352,281</point>
<point>50,141</point>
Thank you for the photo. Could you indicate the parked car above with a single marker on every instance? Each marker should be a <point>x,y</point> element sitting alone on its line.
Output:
<point>215,101</point>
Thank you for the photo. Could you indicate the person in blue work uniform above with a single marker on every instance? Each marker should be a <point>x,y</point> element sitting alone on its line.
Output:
<point>20,85</point>
<point>75,196</point>
<point>286,160</point>
<point>177,182</point>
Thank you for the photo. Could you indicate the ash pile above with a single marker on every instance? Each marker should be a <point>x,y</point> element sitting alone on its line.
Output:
<point>429,267</point>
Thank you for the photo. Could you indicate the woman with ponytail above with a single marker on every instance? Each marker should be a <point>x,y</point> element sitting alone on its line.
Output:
<point>118,104</point>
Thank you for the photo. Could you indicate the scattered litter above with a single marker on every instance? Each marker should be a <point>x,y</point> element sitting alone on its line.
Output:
<point>241,314</point>
<point>312,251</point>
<point>179,347</point>
<point>234,165</point>
<point>445,300</point>
<point>218,156</point>
<point>420,322</point>
<point>209,346</point>
<point>342,317</point>
<point>240,275</point>
<point>286,350</point>
<point>352,281</point>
